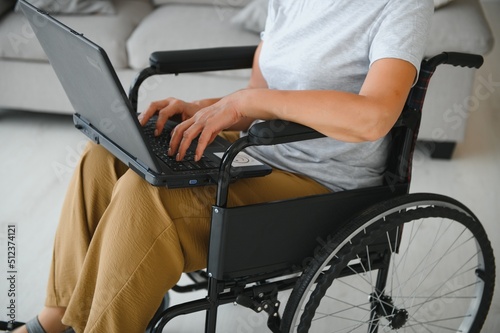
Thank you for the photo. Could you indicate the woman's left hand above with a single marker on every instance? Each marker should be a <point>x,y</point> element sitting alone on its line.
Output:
<point>207,123</point>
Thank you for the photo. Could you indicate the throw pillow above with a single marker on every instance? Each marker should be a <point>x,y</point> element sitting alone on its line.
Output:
<point>253,16</point>
<point>441,3</point>
<point>75,6</point>
<point>6,5</point>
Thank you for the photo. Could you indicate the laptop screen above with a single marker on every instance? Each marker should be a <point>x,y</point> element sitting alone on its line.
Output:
<point>90,83</point>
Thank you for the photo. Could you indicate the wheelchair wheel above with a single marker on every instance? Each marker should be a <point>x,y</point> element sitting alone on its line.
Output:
<point>418,263</point>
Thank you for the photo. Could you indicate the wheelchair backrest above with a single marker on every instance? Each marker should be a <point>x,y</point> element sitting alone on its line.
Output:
<point>405,131</point>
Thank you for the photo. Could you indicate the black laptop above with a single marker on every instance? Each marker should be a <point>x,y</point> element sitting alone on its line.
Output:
<point>104,113</point>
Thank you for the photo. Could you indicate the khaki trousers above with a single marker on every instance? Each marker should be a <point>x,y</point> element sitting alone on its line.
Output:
<point>122,244</point>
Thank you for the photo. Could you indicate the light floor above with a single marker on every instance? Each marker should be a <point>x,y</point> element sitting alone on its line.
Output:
<point>39,152</point>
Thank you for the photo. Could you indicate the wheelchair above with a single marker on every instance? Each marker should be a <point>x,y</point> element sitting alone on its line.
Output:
<point>372,260</point>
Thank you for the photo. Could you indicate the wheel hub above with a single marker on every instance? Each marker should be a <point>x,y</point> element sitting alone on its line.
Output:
<point>398,319</point>
<point>384,307</point>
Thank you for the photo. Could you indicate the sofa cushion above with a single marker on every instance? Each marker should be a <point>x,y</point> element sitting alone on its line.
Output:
<point>215,3</point>
<point>17,40</point>
<point>441,3</point>
<point>175,26</point>
<point>460,27</point>
<point>253,16</point>
<point>75,6</point>
<point>242,3</point>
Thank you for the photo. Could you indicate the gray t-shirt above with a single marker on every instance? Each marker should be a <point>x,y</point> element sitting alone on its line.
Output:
<point>331,45</point>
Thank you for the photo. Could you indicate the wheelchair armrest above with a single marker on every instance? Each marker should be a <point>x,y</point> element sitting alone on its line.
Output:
<point>456,59</point>
<point>275,132</point>
<point>202,60</point>
<point>190,61</point>
<point>271,132</point>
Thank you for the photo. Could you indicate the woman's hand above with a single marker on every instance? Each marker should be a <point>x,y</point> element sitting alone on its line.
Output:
<point>167,108</point>
<point>207,122</point>
<point>206,118</point>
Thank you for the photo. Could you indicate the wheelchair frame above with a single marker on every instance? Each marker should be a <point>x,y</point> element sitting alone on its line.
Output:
<point>249,259</point>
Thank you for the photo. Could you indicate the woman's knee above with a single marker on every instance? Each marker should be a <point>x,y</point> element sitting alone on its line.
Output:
<point>97,162</point>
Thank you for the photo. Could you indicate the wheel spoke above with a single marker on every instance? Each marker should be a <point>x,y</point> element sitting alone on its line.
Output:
<point>432,323</point>
<point>433,284</point>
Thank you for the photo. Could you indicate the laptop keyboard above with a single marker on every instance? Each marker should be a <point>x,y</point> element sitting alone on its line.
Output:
<point>159,145</point>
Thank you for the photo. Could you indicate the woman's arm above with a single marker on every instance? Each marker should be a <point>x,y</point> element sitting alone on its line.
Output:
<point>257,81</point>
<point>169,107</point>
<point>366,116</point>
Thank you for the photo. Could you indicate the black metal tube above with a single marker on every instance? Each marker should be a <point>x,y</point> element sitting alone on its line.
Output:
<point>456,59</point>
<point>133,94</point>
<point>225,170</point>
<point>181,309</point>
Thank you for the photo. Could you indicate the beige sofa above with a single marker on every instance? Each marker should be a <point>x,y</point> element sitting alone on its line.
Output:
<point>139,27</point>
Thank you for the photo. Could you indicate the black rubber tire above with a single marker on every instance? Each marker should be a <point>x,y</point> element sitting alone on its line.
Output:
<point>351,243</point>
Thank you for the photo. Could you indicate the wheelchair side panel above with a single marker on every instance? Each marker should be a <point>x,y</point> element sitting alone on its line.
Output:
<point>282,236</point>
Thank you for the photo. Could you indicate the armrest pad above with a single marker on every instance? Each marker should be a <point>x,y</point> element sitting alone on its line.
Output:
<point>279,131</point>
<point>202,60</point>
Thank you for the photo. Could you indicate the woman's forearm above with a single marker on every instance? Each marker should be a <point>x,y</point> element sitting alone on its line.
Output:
<point>344,116</point>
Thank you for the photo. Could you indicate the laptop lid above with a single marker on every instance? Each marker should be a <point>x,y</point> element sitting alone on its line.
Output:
<point>104,113</point>
<point>90,83</point>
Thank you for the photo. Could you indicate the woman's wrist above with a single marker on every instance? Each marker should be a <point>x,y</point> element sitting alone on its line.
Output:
<point>255,104</point>
<point>203,103</point>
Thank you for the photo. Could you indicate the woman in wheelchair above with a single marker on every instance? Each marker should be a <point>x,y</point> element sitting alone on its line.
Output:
<point>343,68</point>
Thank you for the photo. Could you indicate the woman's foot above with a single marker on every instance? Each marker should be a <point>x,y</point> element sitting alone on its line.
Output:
<point>50,318</point>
